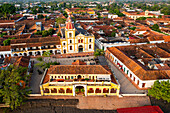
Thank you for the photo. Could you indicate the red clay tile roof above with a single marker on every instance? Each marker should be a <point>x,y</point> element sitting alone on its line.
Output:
<point>156,38</point>
<point>137,68</point>
<point>77,69</point>
<point>23,36</point>
<point>138,40</point>
<point>6,21</point>
<point>78,62</point>
<point>22,61</point>
<point>5,48</point>
<point>166,38</point>
<point>32,42</point>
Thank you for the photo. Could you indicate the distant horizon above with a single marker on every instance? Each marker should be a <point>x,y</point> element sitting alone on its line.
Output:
<point>78,0</point>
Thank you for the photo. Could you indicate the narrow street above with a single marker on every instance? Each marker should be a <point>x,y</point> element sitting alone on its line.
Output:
<point>126,87</point>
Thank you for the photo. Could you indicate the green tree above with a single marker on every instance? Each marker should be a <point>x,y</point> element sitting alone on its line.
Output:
<point>38,33</point>
<point>132,28</point>
<point>7,41</point>
<point>59,34</point>
<point>99,52</point>
<point>60,20</point>
<point>160,90</point>
<point>7,9</point>
<point>40,16</point>
<point>155,27</point>
<point>45,33</point>
<point>51,31</point>
<point>47,53</point>
<point>65,14</point>
<point>12,92</point>
<point>141,18</point>
<point>113,34</point>
<point>40,59</point>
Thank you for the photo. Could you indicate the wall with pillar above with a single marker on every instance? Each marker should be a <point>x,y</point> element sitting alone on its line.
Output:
<point>59,90</point>
<point>5,54</point>
<point>113,89</point>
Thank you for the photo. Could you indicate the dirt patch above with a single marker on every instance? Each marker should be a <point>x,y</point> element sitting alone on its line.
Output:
<point>55,106</point>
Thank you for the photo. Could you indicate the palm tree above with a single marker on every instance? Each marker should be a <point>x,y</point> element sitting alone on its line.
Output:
<point>13,91</point>
<point>47,53</point>
<point>99,52</point>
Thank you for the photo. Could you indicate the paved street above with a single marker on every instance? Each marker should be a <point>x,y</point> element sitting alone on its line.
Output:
<point>36,78</point>
<point>125,85</point>
<point>102,103</point>
<point>66,61</point>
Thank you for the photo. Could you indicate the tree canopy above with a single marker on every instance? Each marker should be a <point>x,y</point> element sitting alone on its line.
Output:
<point>7,41</point>
<point>99,52</point>
<point>155,27</point>
<point>60,20</point>
<point>7,9</point>
<point>12,91</point>
<point>113,34</point>
<point>45,33</point>
<point>160,90</point>
<point>47,53</point>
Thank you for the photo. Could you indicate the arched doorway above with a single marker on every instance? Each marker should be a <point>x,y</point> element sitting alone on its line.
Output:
<point>38,53</point>
<point>25,54</point>
<point>79,90</point>
<point>64,51</point>
<point>2,56</point>
<point>80,48</point>
<point>15,54</point>
<point>30,53</point>
<point>79,77</point>
<point>51,51</point>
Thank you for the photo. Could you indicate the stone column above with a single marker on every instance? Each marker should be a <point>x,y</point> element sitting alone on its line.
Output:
<point>34,53</point>
<point>50,91</point>
<point>74,93</point>
<point>65,91</point>
<point>85,87</point>
<point>41,90</point>
<point>54,52</point>
<point>109,91</point>
<point>117,91</point>
<point>102,90</point>
<point>41,53</point>
<point>57,90</point>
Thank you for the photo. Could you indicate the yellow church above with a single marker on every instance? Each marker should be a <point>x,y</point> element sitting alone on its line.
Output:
<point>79,79</point>
<point>75,39</point>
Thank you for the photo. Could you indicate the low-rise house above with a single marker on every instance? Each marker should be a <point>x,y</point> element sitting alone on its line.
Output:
<point>135,15</point>
<point>79,10</point>
<point>142,64</point>
<point>111,16</point>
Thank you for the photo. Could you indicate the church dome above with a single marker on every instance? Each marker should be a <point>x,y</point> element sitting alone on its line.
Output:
<point>69,25</point>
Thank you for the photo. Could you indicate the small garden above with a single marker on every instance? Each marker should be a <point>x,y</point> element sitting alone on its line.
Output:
<point>43,65</point>
<point>160,95</point>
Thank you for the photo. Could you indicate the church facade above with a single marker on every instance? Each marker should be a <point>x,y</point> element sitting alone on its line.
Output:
<point>75,39</point>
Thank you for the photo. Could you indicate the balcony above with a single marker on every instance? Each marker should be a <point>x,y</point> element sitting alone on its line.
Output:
<point>70,82</point>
